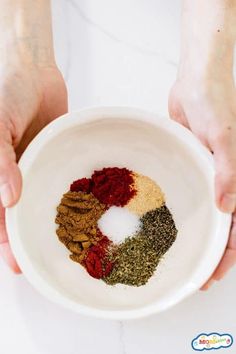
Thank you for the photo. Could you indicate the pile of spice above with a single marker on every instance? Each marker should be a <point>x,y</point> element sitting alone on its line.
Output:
<point>136,259</point>
<point>77,216</point>
<point>149,196</point>
<point>133,261</point>
<point>111,186</point>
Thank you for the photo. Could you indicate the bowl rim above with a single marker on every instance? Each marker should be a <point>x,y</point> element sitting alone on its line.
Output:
<point>86,115</point>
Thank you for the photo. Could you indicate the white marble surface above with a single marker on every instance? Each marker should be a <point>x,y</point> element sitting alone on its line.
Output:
<point>113,53</point>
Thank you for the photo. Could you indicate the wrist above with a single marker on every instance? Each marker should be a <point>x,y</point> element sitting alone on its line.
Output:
<point>212,63</point>
<point>208,37</point>
<point>26,32</point>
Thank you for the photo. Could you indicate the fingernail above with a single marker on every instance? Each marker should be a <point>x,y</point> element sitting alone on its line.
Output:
<point>228,203</point>
<point>6,195</point>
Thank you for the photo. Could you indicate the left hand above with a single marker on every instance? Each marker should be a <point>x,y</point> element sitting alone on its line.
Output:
<point>208,108</point>
<point>30,98</point>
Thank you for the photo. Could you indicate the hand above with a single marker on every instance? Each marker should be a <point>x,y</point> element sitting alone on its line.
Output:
<point>30,98</point>
<point>208,108</point>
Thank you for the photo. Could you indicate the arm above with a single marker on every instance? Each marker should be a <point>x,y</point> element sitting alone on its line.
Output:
<point>26,32</point>
<point>32,93</point>
<point>208,38</point>
<point>204,97</point>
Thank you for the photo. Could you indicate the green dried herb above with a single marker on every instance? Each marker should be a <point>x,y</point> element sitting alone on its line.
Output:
<point>137,257</point>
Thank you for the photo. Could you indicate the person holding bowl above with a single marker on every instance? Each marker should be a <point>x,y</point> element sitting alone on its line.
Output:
<point>203,98</point>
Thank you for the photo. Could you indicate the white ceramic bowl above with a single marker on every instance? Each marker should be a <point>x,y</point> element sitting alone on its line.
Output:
<point>72,147</point>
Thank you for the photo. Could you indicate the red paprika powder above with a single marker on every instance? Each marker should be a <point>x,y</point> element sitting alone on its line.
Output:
<point>81,185</point>
<point>113,186</point>
<point>96,261</point>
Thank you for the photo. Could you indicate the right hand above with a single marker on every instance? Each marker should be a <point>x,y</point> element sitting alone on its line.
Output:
<point>208,109</point>
<point>30,98</point>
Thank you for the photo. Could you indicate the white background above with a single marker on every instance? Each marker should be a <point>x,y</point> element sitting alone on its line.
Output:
<point>113,53</point>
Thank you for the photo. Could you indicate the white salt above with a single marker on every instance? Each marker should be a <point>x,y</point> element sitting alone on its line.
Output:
<point>118,223</point>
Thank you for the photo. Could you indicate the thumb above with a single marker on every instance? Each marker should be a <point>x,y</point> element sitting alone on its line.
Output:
<point>10,176</point>
<point>176,111</point>
<point>225,163</point>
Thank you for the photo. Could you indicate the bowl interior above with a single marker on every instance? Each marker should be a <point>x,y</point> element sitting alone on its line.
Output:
<point>152,150</point>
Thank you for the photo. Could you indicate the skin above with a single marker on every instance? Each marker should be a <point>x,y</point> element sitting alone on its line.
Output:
<point>33,93</point>
<point>203,99</point>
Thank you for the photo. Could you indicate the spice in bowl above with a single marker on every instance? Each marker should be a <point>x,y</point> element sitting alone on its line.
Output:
<point>133,260</point>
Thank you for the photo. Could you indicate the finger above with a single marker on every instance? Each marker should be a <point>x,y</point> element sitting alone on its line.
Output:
<point>208,284</point>
<point>5,250</point>
<point>232,237</point>
<point>3,234</point>
<point>229,257</point>
<point>224,148</point>
<point>10,177</point>
<point>228,260</point>
<point>226,263</point>
<point>8,257</point>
